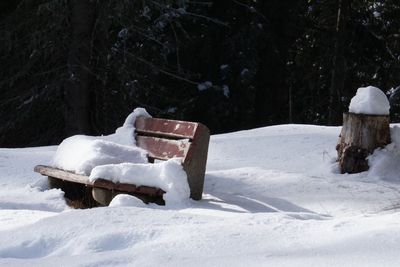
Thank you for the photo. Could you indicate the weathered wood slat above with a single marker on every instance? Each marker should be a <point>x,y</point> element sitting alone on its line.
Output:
<point>64,175</point>
<point>102,183</point>
<point>163,149</point>
<point>162,127</point>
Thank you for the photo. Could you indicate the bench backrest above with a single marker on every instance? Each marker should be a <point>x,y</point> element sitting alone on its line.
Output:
<point>166,139</point>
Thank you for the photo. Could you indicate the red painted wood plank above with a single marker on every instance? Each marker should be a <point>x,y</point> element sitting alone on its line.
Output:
<point>164,149</point>
<point>163,127</point>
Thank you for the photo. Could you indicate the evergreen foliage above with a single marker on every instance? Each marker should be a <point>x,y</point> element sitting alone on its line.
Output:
<point>231,64</point>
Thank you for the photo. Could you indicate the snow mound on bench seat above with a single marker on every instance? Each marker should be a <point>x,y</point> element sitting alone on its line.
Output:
<point>81,153</point>
<point>167,175</point>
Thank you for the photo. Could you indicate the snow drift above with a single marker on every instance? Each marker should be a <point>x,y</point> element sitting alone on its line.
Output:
<point>273,197</point>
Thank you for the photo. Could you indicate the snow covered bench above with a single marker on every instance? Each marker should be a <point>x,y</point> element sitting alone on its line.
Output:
<point>162,139</point>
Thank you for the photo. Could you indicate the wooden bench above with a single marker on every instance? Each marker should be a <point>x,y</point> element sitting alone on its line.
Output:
<point>162,139</point>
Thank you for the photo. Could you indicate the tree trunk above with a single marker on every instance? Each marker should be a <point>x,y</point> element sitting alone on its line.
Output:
<point>339,64</point>
<point>272,96</point>
<point>77,86</point>
<point>361,135</point>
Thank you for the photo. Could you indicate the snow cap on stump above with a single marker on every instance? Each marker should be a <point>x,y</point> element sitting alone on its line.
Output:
<point>369,100</point>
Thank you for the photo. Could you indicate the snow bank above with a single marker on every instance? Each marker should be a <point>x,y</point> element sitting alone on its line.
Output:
<point>384,162</point>
<point>369,100</point>
<point>167,175</point>
<point>270,200</point>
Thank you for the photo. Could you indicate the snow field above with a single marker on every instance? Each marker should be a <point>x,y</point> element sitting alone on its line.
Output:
<point>272,197</point>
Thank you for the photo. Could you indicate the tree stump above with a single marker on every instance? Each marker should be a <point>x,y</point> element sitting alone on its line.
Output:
<point>361,134</point>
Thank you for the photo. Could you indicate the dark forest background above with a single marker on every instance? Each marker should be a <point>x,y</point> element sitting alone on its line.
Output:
<point>81,66</point>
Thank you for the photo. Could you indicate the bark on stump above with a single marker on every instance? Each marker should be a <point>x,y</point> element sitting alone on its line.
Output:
<point>361,135</point>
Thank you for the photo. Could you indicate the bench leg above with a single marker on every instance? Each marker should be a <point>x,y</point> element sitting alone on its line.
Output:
<point>102,196</point>
<point>195,162</point>
<point>77,195</point>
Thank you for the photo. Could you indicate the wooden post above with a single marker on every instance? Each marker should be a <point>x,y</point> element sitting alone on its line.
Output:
<point>361,134</point>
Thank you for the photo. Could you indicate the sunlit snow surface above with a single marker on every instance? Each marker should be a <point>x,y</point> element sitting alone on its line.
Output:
<point>272,197</point>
